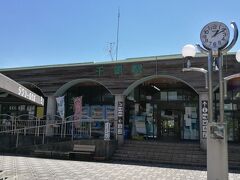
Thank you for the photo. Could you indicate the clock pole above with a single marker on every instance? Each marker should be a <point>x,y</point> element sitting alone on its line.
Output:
<point>217,147</point>
<point>215,40</point>
<point>221,89</point>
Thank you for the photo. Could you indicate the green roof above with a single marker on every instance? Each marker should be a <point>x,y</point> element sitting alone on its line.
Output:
<point>128,60</point>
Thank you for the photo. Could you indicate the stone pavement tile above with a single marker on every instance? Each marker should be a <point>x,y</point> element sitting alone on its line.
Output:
<point>25,168</point>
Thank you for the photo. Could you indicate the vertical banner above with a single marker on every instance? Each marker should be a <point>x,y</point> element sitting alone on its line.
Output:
<point>204,111</point>
<point>120,118</point>
<point>61,106</point>
<point>77,110</point>
<point>107,131</point>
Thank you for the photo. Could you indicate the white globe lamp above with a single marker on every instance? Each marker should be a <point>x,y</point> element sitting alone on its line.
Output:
<point>188,50</point>
<point>238,56</point>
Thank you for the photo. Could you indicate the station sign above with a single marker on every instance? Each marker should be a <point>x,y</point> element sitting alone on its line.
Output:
<point>12,87</point>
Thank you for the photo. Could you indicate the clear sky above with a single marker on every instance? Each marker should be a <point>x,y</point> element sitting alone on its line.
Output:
<point>42,32</point>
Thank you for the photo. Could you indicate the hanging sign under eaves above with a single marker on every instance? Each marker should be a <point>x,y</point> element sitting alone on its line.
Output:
<point>12,87</point>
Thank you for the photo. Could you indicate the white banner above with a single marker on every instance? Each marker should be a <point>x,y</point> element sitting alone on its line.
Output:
<point>61,106</point>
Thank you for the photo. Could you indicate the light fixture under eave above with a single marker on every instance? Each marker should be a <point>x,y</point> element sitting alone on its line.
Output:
<point>130,98</point>
<point>155,87</point>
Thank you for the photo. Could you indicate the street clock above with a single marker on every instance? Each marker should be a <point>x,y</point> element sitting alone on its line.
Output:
<point>215,36</point>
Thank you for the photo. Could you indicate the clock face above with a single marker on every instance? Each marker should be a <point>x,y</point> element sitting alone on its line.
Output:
<point>215,35</point>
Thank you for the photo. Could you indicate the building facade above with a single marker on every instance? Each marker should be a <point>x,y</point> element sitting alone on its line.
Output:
<point>146,98</point>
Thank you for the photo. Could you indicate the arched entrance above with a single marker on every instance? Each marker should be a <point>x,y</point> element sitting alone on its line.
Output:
<point>93,94</point>
<point>162,107</point>
<point>96,104</point>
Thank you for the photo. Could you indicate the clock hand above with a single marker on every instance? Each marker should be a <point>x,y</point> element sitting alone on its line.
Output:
<point>221,31</point>
<point>217,32</point>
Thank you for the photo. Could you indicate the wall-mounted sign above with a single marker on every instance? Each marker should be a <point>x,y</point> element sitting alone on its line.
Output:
<point>204,112</point>
<point>12,87</point>
<point>217,130</point>
<point>120,118</point>
<point>118,69</point>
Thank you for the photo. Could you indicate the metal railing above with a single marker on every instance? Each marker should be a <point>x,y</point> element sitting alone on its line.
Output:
<point>12,123</point>
<point>6,122</point>
<point>69,127</point>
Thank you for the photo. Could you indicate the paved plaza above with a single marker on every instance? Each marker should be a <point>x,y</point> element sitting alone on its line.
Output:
<point>28,168</point>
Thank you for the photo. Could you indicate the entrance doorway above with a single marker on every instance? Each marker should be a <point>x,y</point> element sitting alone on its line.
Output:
<point>165,124</point>
<point>162,109</point>
<point>168,125</point>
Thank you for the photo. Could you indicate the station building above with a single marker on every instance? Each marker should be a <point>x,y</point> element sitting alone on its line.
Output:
<point>148,98</point>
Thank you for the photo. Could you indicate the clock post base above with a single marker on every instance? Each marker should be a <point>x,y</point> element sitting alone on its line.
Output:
<point>217,152</point>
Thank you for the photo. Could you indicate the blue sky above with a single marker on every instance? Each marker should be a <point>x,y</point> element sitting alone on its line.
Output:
<point>43,32</point>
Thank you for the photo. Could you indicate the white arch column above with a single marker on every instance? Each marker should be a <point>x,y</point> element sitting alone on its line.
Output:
<point>119,118</point>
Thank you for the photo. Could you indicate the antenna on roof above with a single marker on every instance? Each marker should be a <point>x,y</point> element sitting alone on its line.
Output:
<point>110,49</point>
<point>117,33</point>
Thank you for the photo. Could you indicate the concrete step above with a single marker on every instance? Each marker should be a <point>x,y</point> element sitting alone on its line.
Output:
<point>162,150</point>
<point>234,149</point>
<point>161,161</point>
<point>168,158</point>
<point>234,157</point>
<point>164,144</point>
<point>171,153</point>
<point>234,165</point>
<point>133,153</point>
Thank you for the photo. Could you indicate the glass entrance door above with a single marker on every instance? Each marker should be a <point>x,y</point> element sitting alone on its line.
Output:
<point>169,124</point>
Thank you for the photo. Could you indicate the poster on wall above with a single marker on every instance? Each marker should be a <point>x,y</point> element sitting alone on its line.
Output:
<point>191,130</point>
<point>97,112</point>
<point>204,111</point>
<point>109,112</point>
<point>86,112</point>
